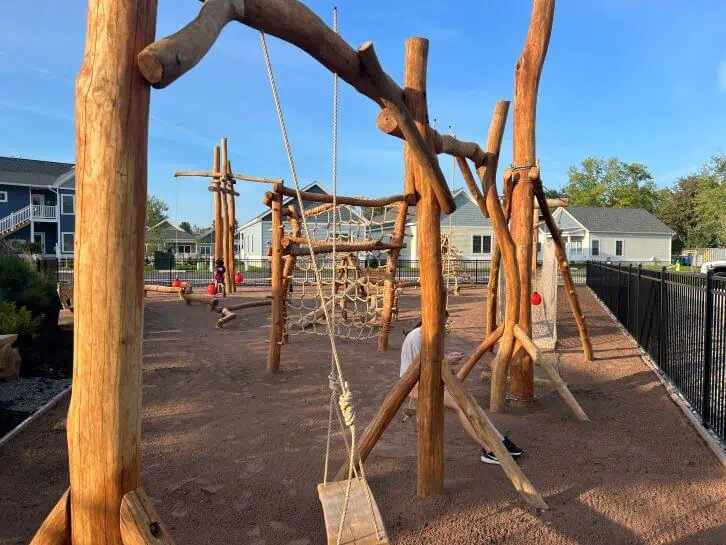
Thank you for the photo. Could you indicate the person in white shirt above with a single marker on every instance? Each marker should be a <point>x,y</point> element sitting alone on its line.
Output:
<point>410,352</point>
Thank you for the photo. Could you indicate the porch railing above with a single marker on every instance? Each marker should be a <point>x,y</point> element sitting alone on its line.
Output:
<point>9,223</point>
<point>44,211</point>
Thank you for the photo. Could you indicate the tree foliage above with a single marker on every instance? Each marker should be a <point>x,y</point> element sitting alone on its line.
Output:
<point>156,211</point>
<point>186,227</point>
<point>611,183</point>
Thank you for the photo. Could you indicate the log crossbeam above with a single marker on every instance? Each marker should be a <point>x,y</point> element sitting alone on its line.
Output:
<point>233,175</point>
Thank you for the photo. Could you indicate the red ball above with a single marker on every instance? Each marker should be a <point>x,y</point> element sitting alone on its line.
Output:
<point>176,283</point>
<point>536,298</point>
<point>212,289</point>
<point>238,278</point>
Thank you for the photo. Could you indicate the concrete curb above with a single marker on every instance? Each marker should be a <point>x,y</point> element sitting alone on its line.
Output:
<point>710,438</point>
<point>25,423</point>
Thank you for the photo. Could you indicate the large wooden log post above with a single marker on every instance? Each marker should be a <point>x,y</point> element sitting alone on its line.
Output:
<point>526,84</point>
<point>218,221</point>
<point>231,234</point>
<point>431,387</point>
<point>224,186</point>
<point>389,284</point>
<point>277,314</point>
<point>493,286</point>
<point>104,419</point>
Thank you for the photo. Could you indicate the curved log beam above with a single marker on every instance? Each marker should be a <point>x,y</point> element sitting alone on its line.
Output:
<point>298,246</point>
<point>487,344</point>
<point>391,98</point>
<point>443,143</point>
<point>340,200</point>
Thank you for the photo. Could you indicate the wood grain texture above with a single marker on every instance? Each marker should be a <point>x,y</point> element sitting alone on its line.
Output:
<point>430,416</point>
<point>325,198</point>
<point>494,268</point>
<point>564,264</point>
<point>488,433</point>
<point>218,221</point>
<point>385,414</point>
<point>140,523</point>
<point>231,235</point>
<point>112,117</point>
<point>419,142</point>
<point>486,345</point>
<point>56,528</point>
<point>389,284</point>
<point>362,527</point>
<point>526,84</point>
<point>277,313</point>
<point>298,246</point>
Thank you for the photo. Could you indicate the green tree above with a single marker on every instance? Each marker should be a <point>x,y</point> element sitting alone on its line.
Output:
<point>156,211</point>
<point>611,183</point>
<point>186,226</point>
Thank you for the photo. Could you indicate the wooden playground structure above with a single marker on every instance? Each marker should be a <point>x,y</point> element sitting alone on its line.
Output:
<point>105,502</point>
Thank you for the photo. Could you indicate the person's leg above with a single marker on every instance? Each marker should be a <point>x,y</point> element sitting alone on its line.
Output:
<point>451,403</point>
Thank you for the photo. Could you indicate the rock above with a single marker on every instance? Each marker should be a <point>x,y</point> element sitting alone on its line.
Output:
<point>9,362</point>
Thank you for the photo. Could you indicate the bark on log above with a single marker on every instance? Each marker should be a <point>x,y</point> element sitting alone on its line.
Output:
<point>482,349</point>
<point>489,435</point>
<point>56,528</point>
<point>277,312</point>
<point>218,221</point>
<point>140,523</point>
<point>561,255</point>
<point>443,143</point>
<point>389,283</point>
<point>493,287</point>
<point>112,117</point>
<point>526,84</point>
<point>430,454</point>
<point>385,414</point>
<point>340,200</point>
<point>420,145</point>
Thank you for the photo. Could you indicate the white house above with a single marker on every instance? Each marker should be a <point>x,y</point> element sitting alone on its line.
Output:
<point>615,234</point>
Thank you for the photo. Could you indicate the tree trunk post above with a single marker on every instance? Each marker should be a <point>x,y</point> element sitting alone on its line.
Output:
<point>112,117</point>
<point>431,387</point>
<point>526,84</point>
<point>276,320</point>
<point>232,218</point>
<point>218,221</point>
<point>389,284</point>
<point>224,201</point>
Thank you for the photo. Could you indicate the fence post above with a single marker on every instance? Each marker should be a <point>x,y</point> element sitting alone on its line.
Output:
<point>707,351</point>
<point>662,318</point>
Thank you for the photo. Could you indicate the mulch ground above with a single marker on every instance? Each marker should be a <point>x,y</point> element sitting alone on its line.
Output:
<point>231,455</point>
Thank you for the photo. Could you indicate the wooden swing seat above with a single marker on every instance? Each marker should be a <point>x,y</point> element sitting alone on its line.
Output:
<point>359,526</point>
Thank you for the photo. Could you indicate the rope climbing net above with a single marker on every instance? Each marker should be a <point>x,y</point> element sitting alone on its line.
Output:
<point>352,280</point>
<point>455,271</point>
<point>544,314</point>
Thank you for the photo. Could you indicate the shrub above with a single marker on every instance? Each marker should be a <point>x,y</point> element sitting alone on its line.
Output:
<point>19,320</point>
<point>26,287</point>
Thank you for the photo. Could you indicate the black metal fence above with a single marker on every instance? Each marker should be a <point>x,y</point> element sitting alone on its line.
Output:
<point>679,319</point>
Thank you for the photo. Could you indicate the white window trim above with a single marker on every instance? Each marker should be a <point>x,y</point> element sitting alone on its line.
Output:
<point>622,245</point>
<point>482,235</point>
<point>3,196</point>
<point>63,241</point>
<point>73,205</point>
<point>592,241</point>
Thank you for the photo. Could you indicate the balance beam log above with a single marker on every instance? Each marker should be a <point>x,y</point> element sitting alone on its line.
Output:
<point>56,528</point>
<point>227,316</point>
<point>557,382</point>
<point>140,523</point>
<point>443,143</point>
<point>209,300</point>
<point>167,289</point>
<point>487,376</point>
<point>242,306</point>
<point>385,414</point>
<point>488,433</point>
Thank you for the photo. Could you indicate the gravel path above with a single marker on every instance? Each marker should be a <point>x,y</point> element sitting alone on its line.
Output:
<point>231,455</point>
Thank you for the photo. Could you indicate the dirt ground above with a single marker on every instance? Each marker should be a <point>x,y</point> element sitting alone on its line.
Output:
<point>231,455</point>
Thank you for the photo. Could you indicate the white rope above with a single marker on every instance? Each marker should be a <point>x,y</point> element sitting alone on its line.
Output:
<point>346,395</point>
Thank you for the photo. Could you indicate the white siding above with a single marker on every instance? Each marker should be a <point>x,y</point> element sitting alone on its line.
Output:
<point>645,247</point>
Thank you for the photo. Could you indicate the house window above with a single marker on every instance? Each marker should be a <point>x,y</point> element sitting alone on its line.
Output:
<point>576,248</point>
<point>68,204</point>
<point>67,240</point>
<point>595,251</point>
<point>481,244</point>
<point>184,249</point>
<point>619,247</point>
<point>3,196</point>
<point>205,250</point>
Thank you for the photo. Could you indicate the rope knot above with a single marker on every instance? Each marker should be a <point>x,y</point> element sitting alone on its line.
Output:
<point>334,383</point>
<point>345,401</point>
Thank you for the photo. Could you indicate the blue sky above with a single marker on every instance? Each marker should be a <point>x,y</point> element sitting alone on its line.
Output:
<point>644,80</point>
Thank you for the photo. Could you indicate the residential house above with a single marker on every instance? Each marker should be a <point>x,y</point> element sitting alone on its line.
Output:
<point>471,233</point>
<point>206,244</point>
<point>166,235</point>
<point>255,236</point>
<point>614,234</point>
<point>38,203</point>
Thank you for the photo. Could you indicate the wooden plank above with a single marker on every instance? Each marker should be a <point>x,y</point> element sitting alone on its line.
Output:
<point>361,526</point>
<point>56,528</point>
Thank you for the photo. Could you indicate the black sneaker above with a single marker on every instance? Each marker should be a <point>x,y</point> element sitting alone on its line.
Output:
<point>488,457</point>
<point>513,449</point>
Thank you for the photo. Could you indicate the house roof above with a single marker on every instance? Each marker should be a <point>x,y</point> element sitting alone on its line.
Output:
<point>618,220</point>
<point>173,232</point>
<point>31,172</point>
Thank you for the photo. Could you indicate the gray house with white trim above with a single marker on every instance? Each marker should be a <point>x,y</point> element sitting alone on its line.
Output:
<point>38,203</point>
<point>614,234</point>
